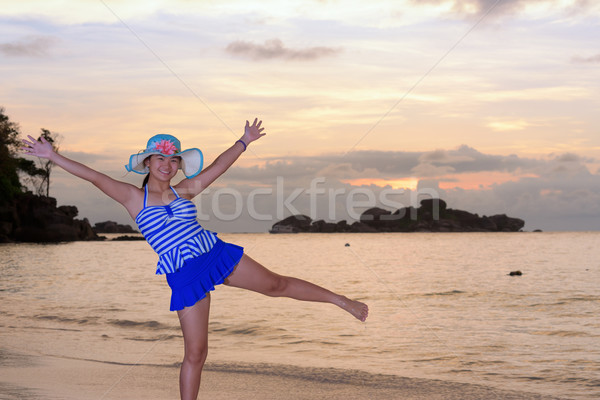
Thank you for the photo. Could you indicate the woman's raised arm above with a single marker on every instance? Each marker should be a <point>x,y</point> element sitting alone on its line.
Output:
<point>192,187</point>
<point>122,192</point>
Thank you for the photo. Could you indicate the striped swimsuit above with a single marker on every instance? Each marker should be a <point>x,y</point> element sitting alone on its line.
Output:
<point>173,232</point>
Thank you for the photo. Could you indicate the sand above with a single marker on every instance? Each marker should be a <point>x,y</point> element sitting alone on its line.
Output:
<point>47,377</point>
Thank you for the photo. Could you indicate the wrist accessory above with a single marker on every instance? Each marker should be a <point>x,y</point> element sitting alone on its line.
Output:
<point>243,144</point>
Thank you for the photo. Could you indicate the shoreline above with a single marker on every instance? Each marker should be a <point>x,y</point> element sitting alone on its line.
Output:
<point>49,377</point>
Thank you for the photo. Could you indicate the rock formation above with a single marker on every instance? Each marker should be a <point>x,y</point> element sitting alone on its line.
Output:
<point>31,218</point>
<point>432,216</point>
<point>112,227</point>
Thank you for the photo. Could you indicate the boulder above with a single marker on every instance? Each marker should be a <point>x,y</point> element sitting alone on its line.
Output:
<point>32,218</point>
<point>112,227</point>
<point>507,224</point>
<point>373,215</point>
<point>488,224</point>
<point>359,227</point>
<point>433,206</point>
<point>342,226</point>
<point>128,238</point>
<point>294,223</point>
<point>378,218</point>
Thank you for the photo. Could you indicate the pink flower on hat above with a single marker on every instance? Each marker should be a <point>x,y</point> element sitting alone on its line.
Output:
<point>165,147</point>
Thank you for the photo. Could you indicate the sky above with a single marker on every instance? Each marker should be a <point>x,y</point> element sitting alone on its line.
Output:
<point>492,105</point>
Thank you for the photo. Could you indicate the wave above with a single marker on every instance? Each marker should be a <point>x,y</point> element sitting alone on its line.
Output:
<point>448,293</point>
<point>317,342</point>
<point>9,358</point>
<point>11,391</point>
<point>587,382</point>
<point>581,298</point>
<point>126,323</point>
<point>563,333</point>
<point>43,328</point>
<point>251,330</point>
<point>155,339</point>
<point>567,300</point>
<point>425,388</point>
<point>123,323</point>
<point>57,318</point>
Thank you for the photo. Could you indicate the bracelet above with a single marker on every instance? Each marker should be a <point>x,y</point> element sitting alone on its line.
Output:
<point>242,142</point>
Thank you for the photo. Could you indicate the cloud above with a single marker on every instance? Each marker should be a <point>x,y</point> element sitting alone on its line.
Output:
<point>509,125</point>
<point>568,157</point>
<point>492,6</point>
<point>535,8</point>
<point>586,60</point>
<point>395,165</point>
<point>446,157</point>
<point>427,170</point>
<point>548,93</point>
<point>478,7</point>
<point>274,48</point>
<point>33,46</point>
<point>557,192</point>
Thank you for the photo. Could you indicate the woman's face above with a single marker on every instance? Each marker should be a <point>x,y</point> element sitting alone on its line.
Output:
<point>163,167</point>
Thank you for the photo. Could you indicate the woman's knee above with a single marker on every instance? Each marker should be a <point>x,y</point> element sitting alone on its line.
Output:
<point>278,286</point>
<point>196,354</point>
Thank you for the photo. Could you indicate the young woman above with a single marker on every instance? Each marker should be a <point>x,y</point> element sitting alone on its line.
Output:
<point>194,260</point>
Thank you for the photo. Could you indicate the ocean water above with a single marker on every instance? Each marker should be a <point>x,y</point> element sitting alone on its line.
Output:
<point>442,306</point>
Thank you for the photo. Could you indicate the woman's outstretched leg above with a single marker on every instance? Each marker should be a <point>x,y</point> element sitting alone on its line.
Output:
<point>251,275</point>
<point>194,325</point>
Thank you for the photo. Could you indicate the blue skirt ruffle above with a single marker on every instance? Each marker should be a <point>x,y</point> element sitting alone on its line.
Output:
<point>201,274</point>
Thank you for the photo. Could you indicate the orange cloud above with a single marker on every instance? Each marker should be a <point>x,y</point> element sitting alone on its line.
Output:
<point>479,180</point>
<point>408,183</point>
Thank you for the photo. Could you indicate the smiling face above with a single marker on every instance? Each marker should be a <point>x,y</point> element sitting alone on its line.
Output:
<point>163,167</point>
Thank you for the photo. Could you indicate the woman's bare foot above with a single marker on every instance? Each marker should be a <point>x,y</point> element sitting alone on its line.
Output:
<point>358,309</point>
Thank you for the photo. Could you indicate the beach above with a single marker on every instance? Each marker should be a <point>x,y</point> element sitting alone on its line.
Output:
<point>89,320</point>
<point>34,378</point>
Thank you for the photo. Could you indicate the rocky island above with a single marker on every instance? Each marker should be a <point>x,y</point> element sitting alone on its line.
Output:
<point>37,219</point>
<point>33,218</point>
<point>432,216</point>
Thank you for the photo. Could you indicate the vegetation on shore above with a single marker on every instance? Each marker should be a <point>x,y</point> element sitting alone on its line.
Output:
<point>26,215</point>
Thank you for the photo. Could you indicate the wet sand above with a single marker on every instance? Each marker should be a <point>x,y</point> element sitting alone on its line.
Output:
<point>46,377</point>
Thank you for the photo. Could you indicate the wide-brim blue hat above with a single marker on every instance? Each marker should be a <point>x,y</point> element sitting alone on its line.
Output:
<point>167,145</point>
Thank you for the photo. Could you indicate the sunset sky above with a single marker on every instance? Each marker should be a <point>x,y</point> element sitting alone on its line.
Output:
<point>494,105</point>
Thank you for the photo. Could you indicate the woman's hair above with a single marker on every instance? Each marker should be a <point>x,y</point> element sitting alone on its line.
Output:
<point>147,175</point>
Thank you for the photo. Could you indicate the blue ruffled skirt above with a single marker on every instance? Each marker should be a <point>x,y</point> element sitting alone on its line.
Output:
<point>201,274</point>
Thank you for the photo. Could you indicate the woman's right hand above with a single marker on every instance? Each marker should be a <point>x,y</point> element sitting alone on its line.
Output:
<point>40,148</point>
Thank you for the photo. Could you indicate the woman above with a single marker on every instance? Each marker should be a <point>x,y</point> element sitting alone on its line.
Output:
<point>194,260</point>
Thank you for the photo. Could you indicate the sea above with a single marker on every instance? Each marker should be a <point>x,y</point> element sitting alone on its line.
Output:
<point>442,306</point>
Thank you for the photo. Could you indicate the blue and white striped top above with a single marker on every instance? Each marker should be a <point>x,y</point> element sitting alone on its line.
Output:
<point>173,232</point>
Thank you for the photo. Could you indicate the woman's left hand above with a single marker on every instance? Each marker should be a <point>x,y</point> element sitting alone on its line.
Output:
<point>253,132</point>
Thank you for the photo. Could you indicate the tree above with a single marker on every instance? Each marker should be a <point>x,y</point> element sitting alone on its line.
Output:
<point>9,162</point>
<point>43,184</point>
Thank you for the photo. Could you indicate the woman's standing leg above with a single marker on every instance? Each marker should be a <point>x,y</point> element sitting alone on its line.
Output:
<point>194,325</point>
<point>251,275</point>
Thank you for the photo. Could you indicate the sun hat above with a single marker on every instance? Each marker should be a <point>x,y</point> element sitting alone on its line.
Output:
<point>167,145</point>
